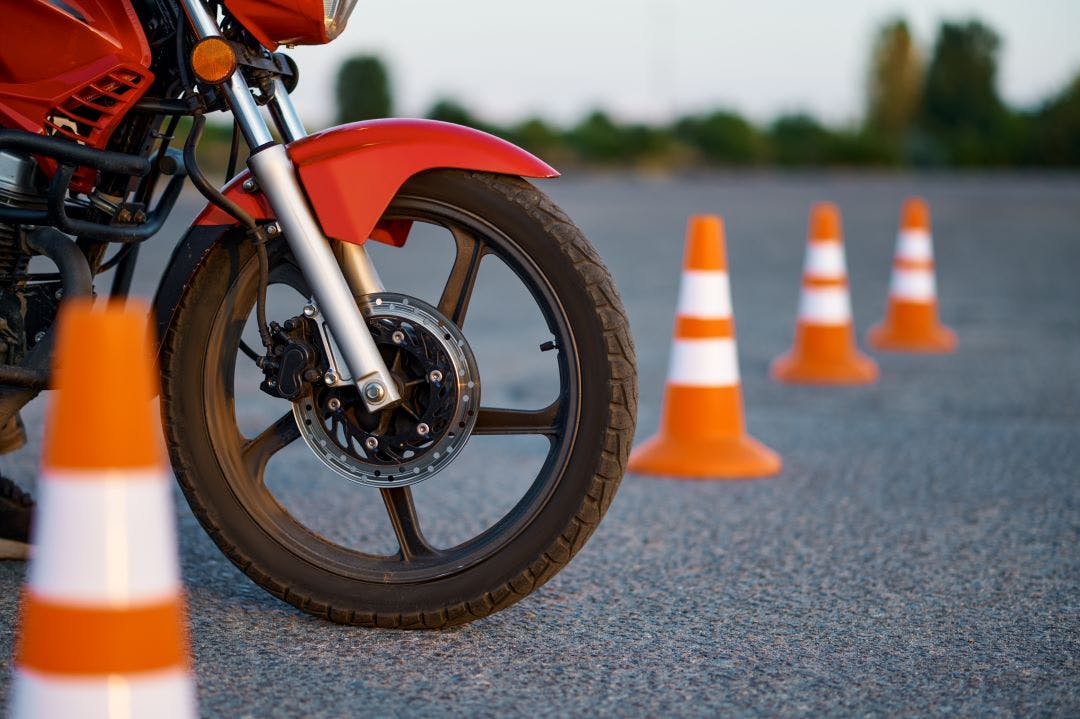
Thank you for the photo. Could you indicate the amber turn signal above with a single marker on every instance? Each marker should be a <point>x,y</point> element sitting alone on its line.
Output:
<point>213,60</point>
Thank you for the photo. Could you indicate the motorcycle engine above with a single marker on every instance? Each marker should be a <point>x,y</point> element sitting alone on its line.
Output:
<point>17,189</point>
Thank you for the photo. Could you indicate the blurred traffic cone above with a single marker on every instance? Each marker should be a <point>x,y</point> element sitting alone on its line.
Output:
<point>911,320</point>
<point>824,351</point>
<point>102,619</point>
<point>702,433</point>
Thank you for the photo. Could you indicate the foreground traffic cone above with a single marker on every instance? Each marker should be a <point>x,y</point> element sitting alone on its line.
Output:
<point>702,433</point>
<point>824,351</point>
<point>911,321</point>
<point>102,629</point>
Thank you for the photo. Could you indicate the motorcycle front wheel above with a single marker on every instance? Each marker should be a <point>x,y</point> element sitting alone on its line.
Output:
<point>402,534</point>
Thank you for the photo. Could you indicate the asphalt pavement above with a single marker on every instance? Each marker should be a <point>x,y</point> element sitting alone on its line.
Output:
<point>918,556</point>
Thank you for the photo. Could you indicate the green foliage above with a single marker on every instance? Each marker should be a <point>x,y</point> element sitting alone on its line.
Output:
<point>445,110</point>
<point>961,108</point>
<point>894,84</point>
<point>538,137</point>
<point>722,138</point>
<point>598,139</point>
<point>860,147</point>
<point>951,115</point>
<point>363,89</point>
<point>646,144</point>
<point>1055,129</point>
<point>798,140</point>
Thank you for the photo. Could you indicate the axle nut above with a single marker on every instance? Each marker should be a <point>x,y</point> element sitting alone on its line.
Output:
<point>374,391</point>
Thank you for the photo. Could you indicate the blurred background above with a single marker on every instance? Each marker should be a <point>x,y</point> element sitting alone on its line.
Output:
<point>917,555</point>
<point>673,84</point>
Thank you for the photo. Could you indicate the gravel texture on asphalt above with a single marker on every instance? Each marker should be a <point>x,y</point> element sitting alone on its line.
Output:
<point>917,556</point>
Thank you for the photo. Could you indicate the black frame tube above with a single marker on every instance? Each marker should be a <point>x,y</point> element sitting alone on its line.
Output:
<point>57,213</point>
<point>125,270</point>
<point>73,153</point>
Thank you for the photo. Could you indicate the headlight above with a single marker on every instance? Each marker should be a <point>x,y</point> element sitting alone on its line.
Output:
<point>335,14</point>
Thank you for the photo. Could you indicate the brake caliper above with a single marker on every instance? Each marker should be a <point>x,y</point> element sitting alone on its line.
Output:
<point>294,360</point>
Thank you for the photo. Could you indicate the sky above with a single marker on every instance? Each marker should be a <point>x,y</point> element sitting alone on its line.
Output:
<point>651,60</point>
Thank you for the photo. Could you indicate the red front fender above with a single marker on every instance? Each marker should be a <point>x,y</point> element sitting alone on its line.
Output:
<point>350,173</point>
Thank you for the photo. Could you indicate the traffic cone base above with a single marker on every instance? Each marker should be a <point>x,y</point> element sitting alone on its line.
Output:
<point>824,355</point>
<point>740,457</point>
<point>912,328</point>
<point>165,694</point>
<point>700,438</point>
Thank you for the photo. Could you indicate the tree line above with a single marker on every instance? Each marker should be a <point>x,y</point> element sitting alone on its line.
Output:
<point>942,112</point>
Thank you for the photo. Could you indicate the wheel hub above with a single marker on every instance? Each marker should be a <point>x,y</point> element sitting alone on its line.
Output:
<point>436,374</point>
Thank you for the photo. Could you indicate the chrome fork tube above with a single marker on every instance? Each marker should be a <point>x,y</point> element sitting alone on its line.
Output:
<point>358,269</point>
<point>355,263</point>
<point>285,115</point>
<point>243,105</point>
<point>246,112</point>
<point>274,171</point>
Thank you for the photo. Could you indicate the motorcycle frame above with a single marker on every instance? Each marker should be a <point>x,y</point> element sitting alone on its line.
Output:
<point>307,189</point>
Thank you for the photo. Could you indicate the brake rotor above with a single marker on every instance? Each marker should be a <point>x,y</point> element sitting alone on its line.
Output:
<point>436,374</point>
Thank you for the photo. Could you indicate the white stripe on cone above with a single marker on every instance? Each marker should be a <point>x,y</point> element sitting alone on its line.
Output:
<point>705,294</point>
<point>914,246</point>
<point>825,260</point>
<point>704,363</point>
<point>106,539</point>
<point>913,285</point>
<point>825,306</point>
<point>162,695</point>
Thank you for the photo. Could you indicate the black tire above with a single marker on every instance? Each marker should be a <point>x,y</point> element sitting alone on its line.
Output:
<point>510,559</point>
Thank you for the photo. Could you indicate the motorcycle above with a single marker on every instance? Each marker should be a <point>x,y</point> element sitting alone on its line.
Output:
<point>273,297</point>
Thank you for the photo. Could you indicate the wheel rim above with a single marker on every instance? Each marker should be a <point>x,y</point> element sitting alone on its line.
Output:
<point>243,460</point>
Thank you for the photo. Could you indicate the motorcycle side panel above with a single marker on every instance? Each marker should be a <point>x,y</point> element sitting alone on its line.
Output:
<point>71,69</point>
<point>58,63</point>
<point>351,172</point>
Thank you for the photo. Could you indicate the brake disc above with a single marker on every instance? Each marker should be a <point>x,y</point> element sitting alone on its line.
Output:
<point>436,373</point>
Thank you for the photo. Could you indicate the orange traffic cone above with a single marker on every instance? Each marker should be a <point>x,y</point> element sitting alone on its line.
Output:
<point>911,321</point>
<point>102,619</point>
<point>702,433</point>
<point>824,351</point>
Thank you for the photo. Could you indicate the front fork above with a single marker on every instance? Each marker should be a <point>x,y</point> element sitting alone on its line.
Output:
<point>334,290</point>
